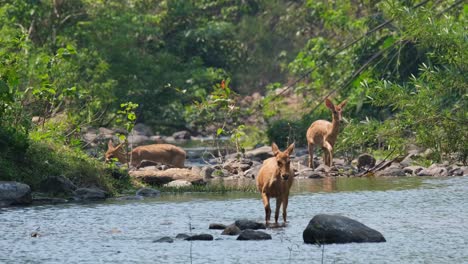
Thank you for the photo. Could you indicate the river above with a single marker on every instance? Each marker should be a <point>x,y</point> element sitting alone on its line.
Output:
<point>424,220</point>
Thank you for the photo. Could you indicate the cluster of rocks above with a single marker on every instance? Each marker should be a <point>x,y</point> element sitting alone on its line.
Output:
<point>244,230</point>
<point>322,229</point>
<point>58,189</point>
<point>247,167</point>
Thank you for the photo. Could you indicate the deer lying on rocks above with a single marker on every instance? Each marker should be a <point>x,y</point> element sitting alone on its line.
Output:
<point>274,180</point>
<point>162,153</point>
<point>323,133</point>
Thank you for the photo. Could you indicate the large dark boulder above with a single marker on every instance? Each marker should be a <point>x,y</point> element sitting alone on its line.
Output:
<point>57,185</point>
<point>249,224</point>
<point>217,226</point>
<point>14,193</point>
<point>330,229</point>
<point>365,161</point>
<point>250,234</point>
<point>148,192</point>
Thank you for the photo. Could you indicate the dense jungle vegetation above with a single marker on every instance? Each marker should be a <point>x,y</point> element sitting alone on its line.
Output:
<point>190,64</point>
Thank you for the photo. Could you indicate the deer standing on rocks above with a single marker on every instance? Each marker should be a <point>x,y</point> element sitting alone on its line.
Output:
<point>323,133</point>
<point>162,153</point>
<point>274,180</point>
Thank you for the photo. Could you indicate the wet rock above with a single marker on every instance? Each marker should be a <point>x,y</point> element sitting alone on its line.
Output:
<point>413,170</point>
<point>205,237</point>
<point>249,224</point>
<point>329,229</point>
<point>365,161</point>
<point>129,198</point>
<point>181,135</point>
<point>182,236</point>
<point>250,234</point>
<point>14,193</point>
<point>178,184</point>
<point>259,154</point>
<point>217,226</point>
<point>433,170</point>
<point>159,177</point>
<point>164,240</point>
<point>48,200</point>
<point>231,230</point>
<point>391,171</point>
<point>57,185</point>
<point>149,164</point>
<point>89,194</point>
<point>148,192</point>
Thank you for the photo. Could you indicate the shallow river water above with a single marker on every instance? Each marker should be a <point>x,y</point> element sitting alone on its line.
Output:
<point>424,220</point>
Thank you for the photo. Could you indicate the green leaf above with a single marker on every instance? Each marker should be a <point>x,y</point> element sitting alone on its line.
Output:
<point>219,131</point>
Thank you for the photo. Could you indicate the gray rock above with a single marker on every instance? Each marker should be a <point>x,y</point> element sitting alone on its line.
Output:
<point>231,230</point>
<point>391,171</point>
<point>182,236</point>
<point>329,229</point>
<point>57,185</point>
<point>365,161</point>
<point>433,170</point>
<point>205,237</point>
<point>259,154</point>
<point>14,193</point>
<point>250,234</point>
<point>249,224</point>
<point>408,160</point>
<point>181,135</point>
<point>48,200</point>
<point>310,173</point>
<point>89,194</point>
<point>253,171</point>
<point>322,168</point>
<point>458,171</point>
<point>234,165</point>
<point>148,192</point>
<point>178,184</point>
<point>137,139</point>
<point>413,170</point>
<point>217,226</point>
<point>164,240</point>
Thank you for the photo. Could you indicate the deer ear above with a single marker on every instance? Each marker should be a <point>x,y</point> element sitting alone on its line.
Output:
<point>329,104</point>
<point>342,104</point>
<point>109,144</point>
<point>290,149</point>
<point>275,149</point>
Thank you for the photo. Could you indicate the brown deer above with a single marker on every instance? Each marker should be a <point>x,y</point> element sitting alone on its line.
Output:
<point>274,180</point>
<point>163,153</point>
<point>323,133</point>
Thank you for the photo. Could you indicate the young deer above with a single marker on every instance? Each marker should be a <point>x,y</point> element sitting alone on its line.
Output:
<point>163,153</point>
<point>324,134</point>
<point>274,180</point>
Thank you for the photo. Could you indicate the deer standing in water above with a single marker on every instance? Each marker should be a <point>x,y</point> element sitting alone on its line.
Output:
<point>323,133</point>
<point>162,153</point>
<point>274,180</point>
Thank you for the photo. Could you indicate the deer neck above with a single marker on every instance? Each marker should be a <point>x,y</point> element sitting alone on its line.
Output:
<point>122,157</point>
<point>335,128</point>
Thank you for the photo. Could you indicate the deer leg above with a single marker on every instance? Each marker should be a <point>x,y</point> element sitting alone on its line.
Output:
<point>266,204</point>
<point>329,151</point>
<point>278,205</point>
<point>311,155</point>
<point>285,206</point>
<point>325,156</point>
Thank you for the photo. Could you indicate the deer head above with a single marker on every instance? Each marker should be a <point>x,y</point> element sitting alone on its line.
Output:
<point>283,161</point>
<point>336,109</point>
<point>114,152</point>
